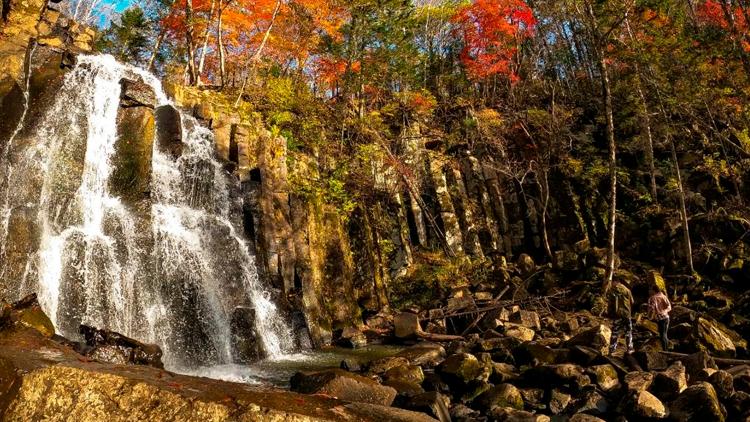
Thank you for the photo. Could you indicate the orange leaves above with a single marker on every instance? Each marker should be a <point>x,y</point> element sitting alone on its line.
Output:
<point>492,31</point>
<point>330,71</point>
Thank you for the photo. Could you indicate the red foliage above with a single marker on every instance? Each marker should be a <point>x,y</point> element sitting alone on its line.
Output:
<point>492,30</point>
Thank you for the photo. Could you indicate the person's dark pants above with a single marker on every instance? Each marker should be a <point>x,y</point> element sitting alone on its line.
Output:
<point>622,324</point>
<point>663,328</point>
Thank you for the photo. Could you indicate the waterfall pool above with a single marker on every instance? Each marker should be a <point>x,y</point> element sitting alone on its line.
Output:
<point>277,372</point>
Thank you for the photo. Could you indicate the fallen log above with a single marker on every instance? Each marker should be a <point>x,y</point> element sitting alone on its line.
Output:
<point>437,337</point>
<point>719,361</point>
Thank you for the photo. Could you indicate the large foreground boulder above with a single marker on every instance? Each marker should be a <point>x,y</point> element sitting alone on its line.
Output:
<point>597,337</point>
<point>698,403</point>
<point>42,379</point>
<point>343,385</point>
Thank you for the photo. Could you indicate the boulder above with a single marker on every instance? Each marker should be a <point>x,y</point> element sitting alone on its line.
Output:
<point>583,417</point>
<point>535,354</point>
<point>407,373</point>
<point>112,347</point>
<point>566,374</point>
<point>651,360</point>
<point>380,366</point>
<point>404,390</point>
<point>597,337</point>
<point>463,413</point>
<point>592,402</point>
<point>431,403</point>
<point>503,372</point>
<point>669,383</point>
<point>605,377</point>
<point>644,405</point>
<point>459,369</point>
<point>526,264</point>
<point>717,339</point>
<point>638,380</point>
<point>518,332</point>
<point>533,399</point>
<point>503,395</point>
<point>343,385</point>
<point>352,338</point>
<point>509,414</point>
<point>33,316</point>
<point>698,403</point>
<point>169,130</point>
<point>406,325</point>
<point>696,365</point>
<point>741,375</point>
<point>245,339</point>
<point>558,401</point>
<point>723,383</point>
<point>136,93</point>
<point>528,319</point>
<point>423,354</point>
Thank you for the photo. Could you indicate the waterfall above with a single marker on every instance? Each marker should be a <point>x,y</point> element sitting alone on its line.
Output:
<point>172,275</point>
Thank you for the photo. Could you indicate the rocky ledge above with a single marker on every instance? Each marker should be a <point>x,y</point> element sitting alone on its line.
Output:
<point>43,377</point>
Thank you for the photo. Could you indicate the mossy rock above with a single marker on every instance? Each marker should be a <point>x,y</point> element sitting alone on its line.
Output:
<point>35,318</point>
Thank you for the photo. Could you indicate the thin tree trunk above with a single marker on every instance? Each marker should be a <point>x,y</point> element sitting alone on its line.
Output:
<point>202,61</point>
<point>192,76</point>
<point>256,56</point>
<point>155,51</point>
<point>607,91</point>
<point>544,186</point>
<point>220,39</point>
<point>683,212</point>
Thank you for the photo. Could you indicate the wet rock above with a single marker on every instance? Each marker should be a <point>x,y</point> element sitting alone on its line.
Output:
<point>597,337</point>
<point>697,403</point>
<point>352,338</point>
<point>669,383</point>
<point>644,405</point>
<point>136,93</point>
<point>33,316</point>
<point>431,403</point>
<point>169,130</point>
<point>605,377</point>
<point>559,401</point>
<point>459,369</point>
<point>343,385</point>
<point>350,365</point>
<point>406,325</point>
<point>423,354</point>
<point>407,373</point>
<point>638,381</point>
<point>112,347</point>
<point>404,390</point>
<point>244,336</point>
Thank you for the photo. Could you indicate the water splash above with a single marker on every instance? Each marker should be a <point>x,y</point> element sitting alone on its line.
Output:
<point>172,275</point>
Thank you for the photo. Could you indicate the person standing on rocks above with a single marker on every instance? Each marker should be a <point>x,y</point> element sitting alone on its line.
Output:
<point>658,309</point>
<point>619,305</point>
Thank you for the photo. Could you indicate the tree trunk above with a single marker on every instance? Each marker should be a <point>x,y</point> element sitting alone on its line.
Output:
<point>256,56</point>
<point>192,76</point>
<point>607,91</point>
<point>220,40</point>
<point>155,51</point>
<point>683,212</point>
<point>202,61</point>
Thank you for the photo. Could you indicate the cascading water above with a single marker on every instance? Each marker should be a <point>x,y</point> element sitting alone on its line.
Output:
<point>173,275</point>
